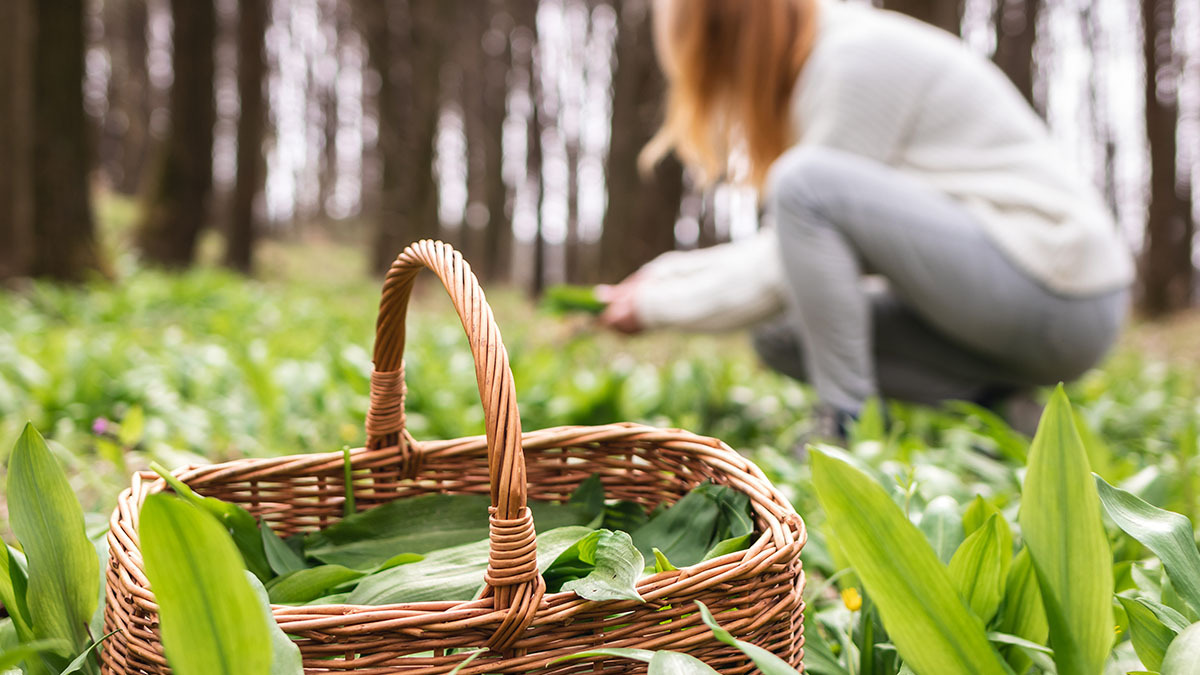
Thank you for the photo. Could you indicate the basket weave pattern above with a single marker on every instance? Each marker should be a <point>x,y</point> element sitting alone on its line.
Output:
<point>756,593</point>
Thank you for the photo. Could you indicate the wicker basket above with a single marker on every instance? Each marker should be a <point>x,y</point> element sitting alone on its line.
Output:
<point>756,592</point>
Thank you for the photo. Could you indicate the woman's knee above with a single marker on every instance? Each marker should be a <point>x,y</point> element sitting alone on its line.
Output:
<point>802,184</point>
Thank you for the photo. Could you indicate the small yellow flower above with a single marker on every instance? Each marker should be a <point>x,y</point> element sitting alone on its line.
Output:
<point>852,599</point>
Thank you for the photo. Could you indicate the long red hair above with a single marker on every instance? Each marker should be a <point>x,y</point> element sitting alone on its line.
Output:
<point>731,66</point>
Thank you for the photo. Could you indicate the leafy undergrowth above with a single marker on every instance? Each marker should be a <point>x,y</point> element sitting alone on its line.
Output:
<point>208,366</point>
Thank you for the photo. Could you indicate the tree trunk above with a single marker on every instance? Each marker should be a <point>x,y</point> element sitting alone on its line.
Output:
<point>1166,266</point>
<point>405,44</point>
<point>639,222</point>
<point>64,234</point>
<point>16,138</point>
<point>498,235</point>
<point>125,129</point>
<point>252,67</point>
<point>945,14</point>
<point>178,199</point>
<point>1016,32</point>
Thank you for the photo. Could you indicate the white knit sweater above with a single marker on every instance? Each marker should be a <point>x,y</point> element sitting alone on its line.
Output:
<point>895,90</point>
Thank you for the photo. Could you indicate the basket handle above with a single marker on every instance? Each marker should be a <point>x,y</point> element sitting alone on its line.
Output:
<point>512,575</point>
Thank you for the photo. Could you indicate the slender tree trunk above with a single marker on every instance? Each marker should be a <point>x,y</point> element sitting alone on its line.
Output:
<point>1166,267</point>
<point>498,236</point>
<point>16,137</point>
<point>125,129</point>
<point>65,244</point>
<point>252,66</point>
<point>178,200</point>
<point>405,43</point>
<point>945,14</point>
<point>536,128</point>
<point>639,222</point>
<point>1016,32</point>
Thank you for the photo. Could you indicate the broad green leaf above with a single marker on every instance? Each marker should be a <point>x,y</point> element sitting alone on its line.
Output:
<point>727,546</point>
<point>78,663</point>
<point>64,574</point>
<point>977,513</point>
<point>589,497</point>
<point>280,556</point>
<point>1149,635</point>
<point>617,568</point>
<point>922,612</point>
<point>660,662</point>
<point>942,526</point>
<point>979,569</point>
<point>307,585</point>
<point>1023,653</point>
<point>210,618</point>
<point>23,652</point>
<point>13,588</point>
<point>624,515</point>
<point>285,654</point>
<point>454,573</point>
<point>1024,615</point>
<point>240,524</point>
<point>643,655</point>
<point>677,663</point>
<point>766,662</point>
<point>687,530</point>
<point>1170,617</point>
<point>1167,534</point>
<point>1183,656</point>
<point>1060,521</point>
<point>8,634</point>
<point>421,525</point>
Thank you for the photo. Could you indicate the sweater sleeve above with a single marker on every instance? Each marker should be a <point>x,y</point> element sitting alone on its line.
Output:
<point>715,289</point>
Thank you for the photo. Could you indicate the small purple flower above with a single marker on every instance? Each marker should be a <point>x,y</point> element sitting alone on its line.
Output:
<point>101,426</point>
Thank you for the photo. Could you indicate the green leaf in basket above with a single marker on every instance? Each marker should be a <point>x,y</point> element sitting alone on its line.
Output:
<point>624,515</point>
<point>1149,635</point>
<point>421,525</point>
<point>686,531</point>
<point>63,571</point>
<point>212,623</point>
<point>307,585</point>
<point>660,662</point>
<point>616,566</point>
<point>932,629</point>
<point>1061,525</point>
<point>454,573</point>
<point>285,655</point>
<point>240,524</point>
<point>979,568</point>
<point>661,563</point>
<point>1167,534</point>
<point>280,556</point>
<point>767,662</point>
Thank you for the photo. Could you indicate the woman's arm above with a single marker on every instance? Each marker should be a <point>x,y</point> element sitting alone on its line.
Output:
<point>715,289</point>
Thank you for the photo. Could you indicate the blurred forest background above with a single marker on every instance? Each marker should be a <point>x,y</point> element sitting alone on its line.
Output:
<point>509,128</point>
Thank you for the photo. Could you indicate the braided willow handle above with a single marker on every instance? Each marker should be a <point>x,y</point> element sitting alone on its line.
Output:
<point>512,575</point>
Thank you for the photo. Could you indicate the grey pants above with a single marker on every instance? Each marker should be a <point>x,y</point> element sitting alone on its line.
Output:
<point>956,319</point>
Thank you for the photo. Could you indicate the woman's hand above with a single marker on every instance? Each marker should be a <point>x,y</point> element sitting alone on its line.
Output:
<point>621,314</point>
